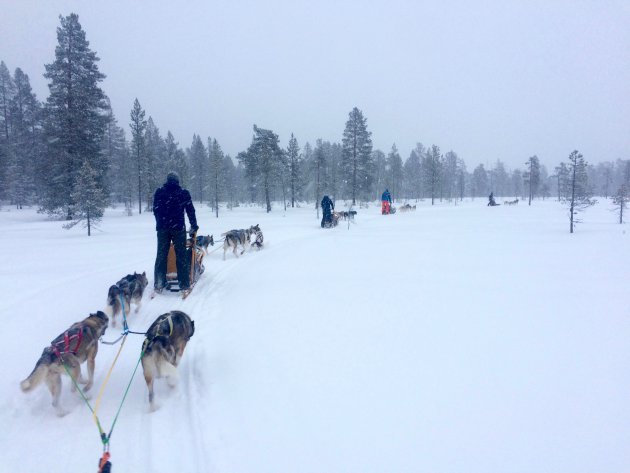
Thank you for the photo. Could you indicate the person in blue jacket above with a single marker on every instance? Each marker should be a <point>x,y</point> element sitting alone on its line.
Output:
<point>327,208</point>
<point>169,204</point>
<point>386,202</point>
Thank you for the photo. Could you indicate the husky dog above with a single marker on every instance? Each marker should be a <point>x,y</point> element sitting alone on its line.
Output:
<point>204,241</point>
<point>511,202</point>
<point>258,236</point>
<point>407,207</point>
<point>120,296</point>
<point>234,238</point>
<point>76,345</point>
<point>346,214</point>
<point>163,348</point>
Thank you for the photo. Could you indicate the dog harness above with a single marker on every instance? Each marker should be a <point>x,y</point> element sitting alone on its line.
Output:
<point>159,332</point>
<point>63,344</point>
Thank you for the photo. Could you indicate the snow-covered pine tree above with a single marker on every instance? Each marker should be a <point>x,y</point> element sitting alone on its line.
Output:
<point>479,181</point>
<point>517,183</point>
<point>380,174</point>
<point>138,127</point>
<point>357,161</point>
<point>262,160</point>
<point>432,167</point>
<point>25,113</point>
<point>319,172</point>
<point>198,158</point>
<point>621,199</point>
<point>120,175</point>
<point>461,178</point>
<point>90,200</point>
<point>156,169</point>
<point>449,175</point>
<point>395,164</point>
<point>501,179</point>
<point>295,178</point>
<point>578,192</point>
<point>411,176</point>
<point>7,91</point>
<point>76,118</point>
<point>532,177</point>
<point>230,182</point>
<point>217,172</point>
<point>176,159</point>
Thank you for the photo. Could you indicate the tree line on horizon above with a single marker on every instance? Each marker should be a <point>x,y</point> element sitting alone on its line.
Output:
<point>69,157</point>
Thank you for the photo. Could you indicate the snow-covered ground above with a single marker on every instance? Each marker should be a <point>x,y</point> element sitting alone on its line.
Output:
<point>450,339</point>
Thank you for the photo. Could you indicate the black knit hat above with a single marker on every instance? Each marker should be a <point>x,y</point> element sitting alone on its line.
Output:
<point>172,178</point>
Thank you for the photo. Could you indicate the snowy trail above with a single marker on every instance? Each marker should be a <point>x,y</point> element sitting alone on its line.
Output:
<point>441,340</point>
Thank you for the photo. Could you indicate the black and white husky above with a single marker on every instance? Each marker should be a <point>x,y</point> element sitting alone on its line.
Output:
<point>234,238</point>
<point>163,348</point>
<point>258,236</point>
<point>120,296</point>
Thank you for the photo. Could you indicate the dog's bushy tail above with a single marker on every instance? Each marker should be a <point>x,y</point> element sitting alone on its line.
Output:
<point>113,301</point>
<point>37,375</point>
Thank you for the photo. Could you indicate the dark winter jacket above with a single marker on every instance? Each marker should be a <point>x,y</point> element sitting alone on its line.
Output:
<point>386,197</point>
<point>169,203</point>
<point>327,205</point>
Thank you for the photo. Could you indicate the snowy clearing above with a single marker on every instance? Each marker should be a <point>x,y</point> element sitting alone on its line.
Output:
<point>449,339</point>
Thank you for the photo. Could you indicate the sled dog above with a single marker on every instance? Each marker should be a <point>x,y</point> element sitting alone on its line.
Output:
<point>75,346</point>
<point>234,238</point>
<point>511,202</point>
<point>407,207</point>
<point>204,241</point>
<point>120,296</point>
<point>163,348</point>
<point>258,236</point>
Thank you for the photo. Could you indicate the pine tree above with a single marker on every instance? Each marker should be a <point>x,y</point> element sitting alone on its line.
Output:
<point>479,181</point>
<point>262,161</point>
<point>294,158</point>
<point>578,196</point>
<point>176,159</point>
<point>319,171</point>
<point>357,161</point>
<point>138,127</point>
<point>217,172</point>
<point>395,165</point>
<point>412,175</point>
<point>121,172</point>
<point>621,199</point>
<point>7,91</point>
<point>25,113</point>
<point>432,167</point>
<point>89,197</point>
<point>532,176</point>
<point>198,158</point>
<point>76,117</point>
<point>155,161</point>
<point>449,174</point>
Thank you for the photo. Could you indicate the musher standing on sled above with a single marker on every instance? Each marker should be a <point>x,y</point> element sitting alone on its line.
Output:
<point>386,202</point>
<point>169,203</point>
<point>327,208</point>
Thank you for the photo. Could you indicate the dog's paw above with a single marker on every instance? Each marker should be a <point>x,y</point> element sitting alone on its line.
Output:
<point>61,412</point>
<point>87,386</point>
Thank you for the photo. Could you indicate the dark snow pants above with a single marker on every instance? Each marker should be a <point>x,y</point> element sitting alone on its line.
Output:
<point>327,219</point>
<point>164,238</point>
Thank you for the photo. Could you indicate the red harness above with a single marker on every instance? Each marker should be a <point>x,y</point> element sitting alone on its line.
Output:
<point>64,343</point>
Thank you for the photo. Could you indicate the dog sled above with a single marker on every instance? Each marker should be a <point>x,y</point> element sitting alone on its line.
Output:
<point>194,258</point>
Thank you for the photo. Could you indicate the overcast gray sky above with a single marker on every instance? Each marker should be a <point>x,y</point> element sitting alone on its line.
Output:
<point>490,80</point>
